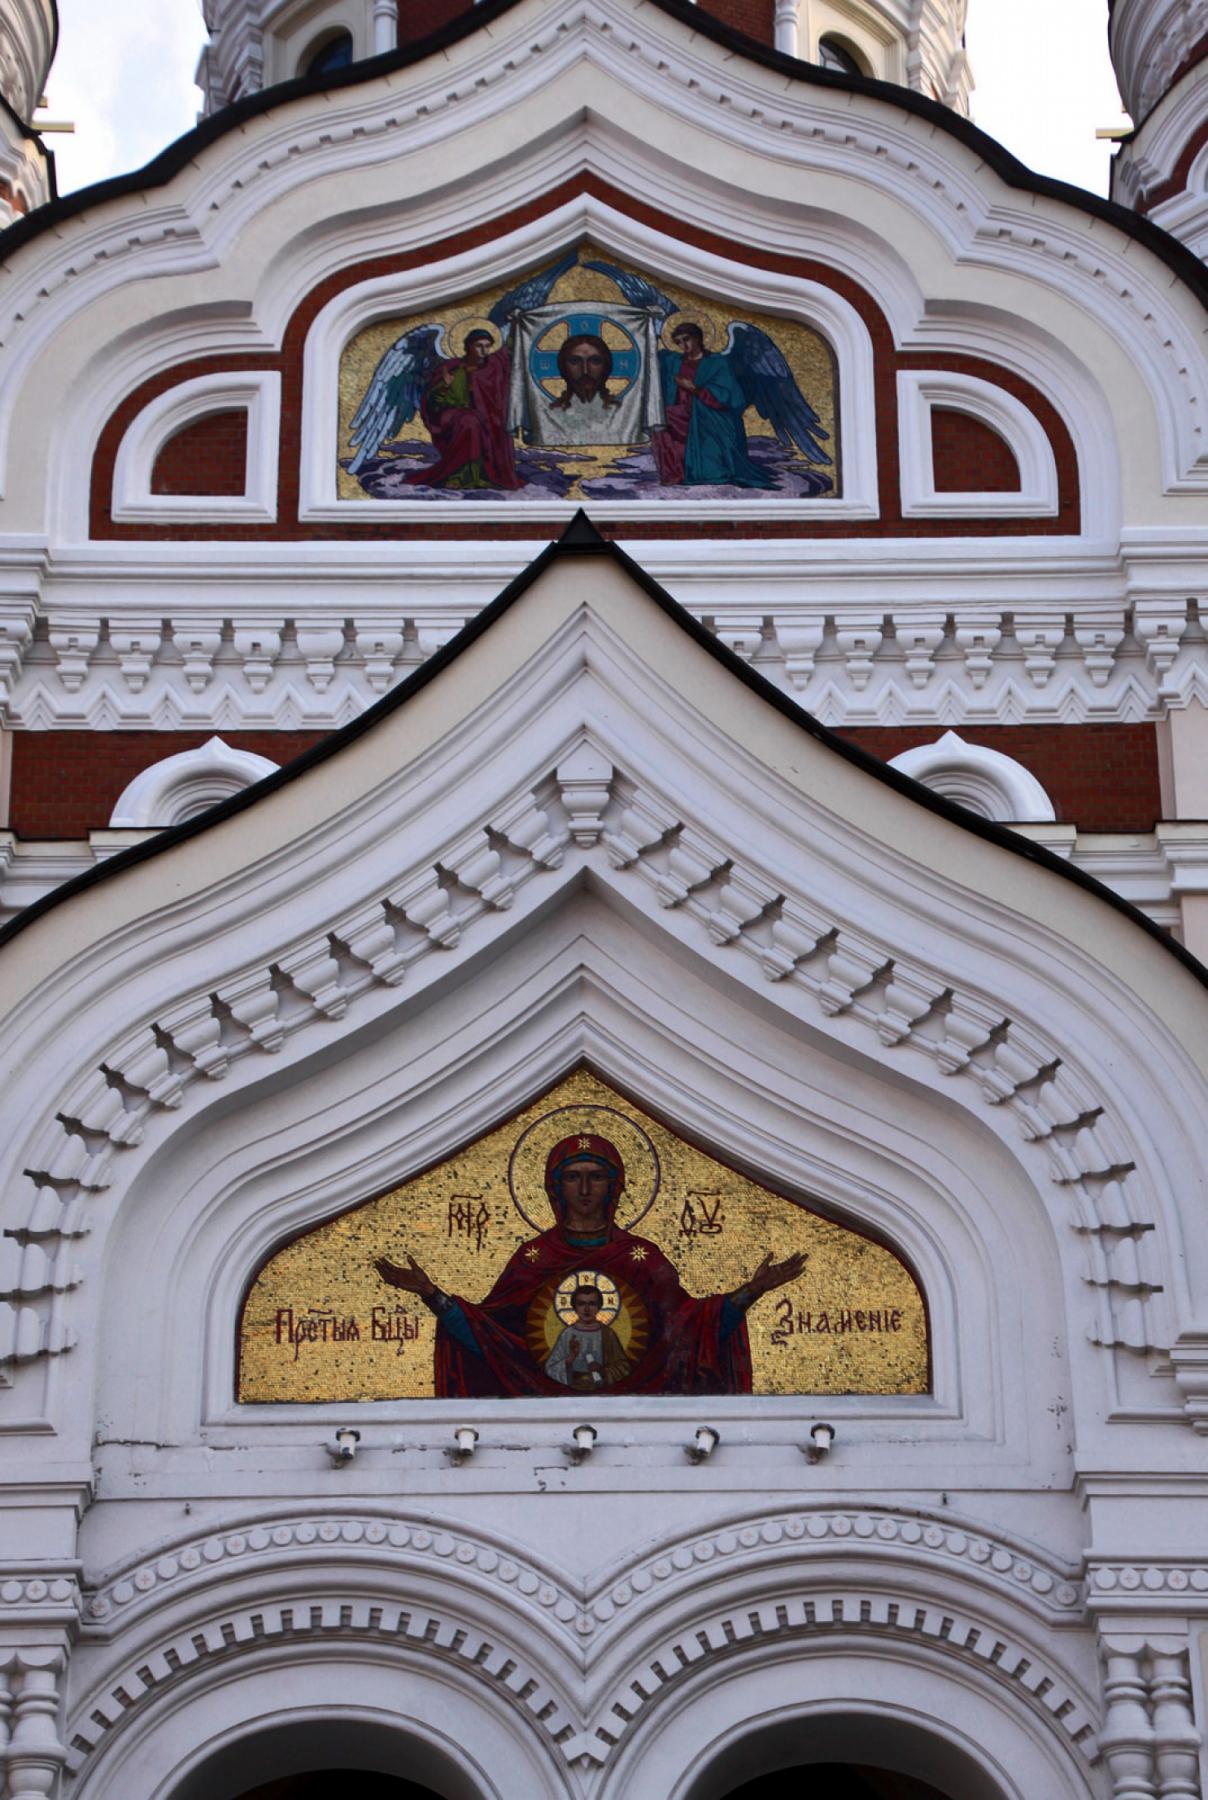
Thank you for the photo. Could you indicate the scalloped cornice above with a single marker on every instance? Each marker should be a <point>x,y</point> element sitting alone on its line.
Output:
<point>758,1579</point>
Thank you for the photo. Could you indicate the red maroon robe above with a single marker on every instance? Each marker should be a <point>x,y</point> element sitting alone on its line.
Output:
<point>685,1351</point>
<point>475,433</point>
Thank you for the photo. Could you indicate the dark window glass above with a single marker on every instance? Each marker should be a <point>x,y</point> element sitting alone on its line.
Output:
<point>335,54</point>
<point>833,56</point>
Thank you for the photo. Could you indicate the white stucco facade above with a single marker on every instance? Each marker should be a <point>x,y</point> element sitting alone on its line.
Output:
<point>578,802</point>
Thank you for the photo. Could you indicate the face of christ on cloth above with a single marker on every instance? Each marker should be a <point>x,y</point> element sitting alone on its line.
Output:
<point>676,1343</point>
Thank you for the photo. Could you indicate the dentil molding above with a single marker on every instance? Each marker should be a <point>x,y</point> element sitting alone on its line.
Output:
<point>585,812</point>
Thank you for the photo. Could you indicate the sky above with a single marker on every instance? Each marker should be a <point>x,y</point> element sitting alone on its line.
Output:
<point>124,75</point>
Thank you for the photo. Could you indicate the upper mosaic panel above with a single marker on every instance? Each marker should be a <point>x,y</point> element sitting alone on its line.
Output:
<point>588,381</point>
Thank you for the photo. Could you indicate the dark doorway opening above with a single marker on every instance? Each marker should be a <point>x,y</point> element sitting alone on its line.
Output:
<point>338,1784</point>
<point>836,1781</point>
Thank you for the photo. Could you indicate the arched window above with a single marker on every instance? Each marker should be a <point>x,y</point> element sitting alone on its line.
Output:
<point>332,54</point>
<point>832,55</point>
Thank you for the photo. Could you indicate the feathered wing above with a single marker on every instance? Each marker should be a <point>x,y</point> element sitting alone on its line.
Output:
<point>771,388</point>
<point>534,291</point>
<point>394,393</point>
<point>636,290</point>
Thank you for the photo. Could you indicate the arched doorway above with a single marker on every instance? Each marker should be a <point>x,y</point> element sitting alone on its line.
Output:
<point>335,1784</point>
<point>843,1755</point>
<point>329,1759</point>
<point>838,1781</point>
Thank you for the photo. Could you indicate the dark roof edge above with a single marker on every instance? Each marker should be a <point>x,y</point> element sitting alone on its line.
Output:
<point>581,539</point>
<point>1189,269</point>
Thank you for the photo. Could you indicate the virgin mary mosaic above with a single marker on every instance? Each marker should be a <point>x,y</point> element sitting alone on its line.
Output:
<point>587,380</point>
<point>581,1248</point>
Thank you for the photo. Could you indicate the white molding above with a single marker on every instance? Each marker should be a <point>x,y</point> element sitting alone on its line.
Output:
<point>985,781</point>
<point>434,283</point>
<point>919,391</point>
<point>179,787</point>
<point>684,89</point>
<point>372,1582</point>
<point>863,643</point>
<point>258,394</point>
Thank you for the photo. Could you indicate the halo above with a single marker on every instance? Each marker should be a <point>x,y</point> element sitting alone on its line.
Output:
<point>700,315</point>
<point>610,1297</point>
<point>457,331</point>
<point>526,1165</point>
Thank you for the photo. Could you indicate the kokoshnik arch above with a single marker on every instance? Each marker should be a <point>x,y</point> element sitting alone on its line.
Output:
<point>602,1163</point>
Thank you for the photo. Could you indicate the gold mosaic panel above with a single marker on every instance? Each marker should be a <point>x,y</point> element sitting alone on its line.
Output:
<point>320,1324</point>
<point>808,355</point>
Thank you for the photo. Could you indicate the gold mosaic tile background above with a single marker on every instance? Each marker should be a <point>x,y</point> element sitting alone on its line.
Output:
<point>867,1321</point>
<point>807,353</point>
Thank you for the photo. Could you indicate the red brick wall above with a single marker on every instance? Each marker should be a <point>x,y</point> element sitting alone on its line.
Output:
<point>756,18</point>
<point>67,783</point>
<point>1099,777</point>
<point>207,457</point>
<point>418,18</point>
<point>970,457</point>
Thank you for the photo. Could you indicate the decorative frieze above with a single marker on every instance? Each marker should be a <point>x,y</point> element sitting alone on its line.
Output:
<point>906,1576</point>
<point>863,667</point>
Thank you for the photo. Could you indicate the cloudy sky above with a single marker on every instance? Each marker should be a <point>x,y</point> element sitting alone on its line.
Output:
<point>124,74</point>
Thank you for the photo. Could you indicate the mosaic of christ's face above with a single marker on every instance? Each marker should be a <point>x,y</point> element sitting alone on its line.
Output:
<point>585,363</point>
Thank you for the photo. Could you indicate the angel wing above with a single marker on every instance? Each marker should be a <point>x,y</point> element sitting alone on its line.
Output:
<point>394,393</point>
<point>635,288</point>
<point>771,388</point>
<point>533,292</point>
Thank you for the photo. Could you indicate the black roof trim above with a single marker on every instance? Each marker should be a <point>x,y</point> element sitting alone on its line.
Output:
<point>581,539</point>
<point>1189,269</point>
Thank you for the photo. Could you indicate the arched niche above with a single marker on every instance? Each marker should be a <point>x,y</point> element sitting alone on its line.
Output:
<point>319,1783</point>
<point>849,1757</point>
<point>285,1762</point>
<point>698,1280</point>
<point>924,1716</point>
<point>842,1781</point>
<point>254,1169</point>
<point>214,1737</point>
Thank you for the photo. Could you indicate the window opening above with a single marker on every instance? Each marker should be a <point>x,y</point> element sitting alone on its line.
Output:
<point>335,54</point>
<point>832,55</point>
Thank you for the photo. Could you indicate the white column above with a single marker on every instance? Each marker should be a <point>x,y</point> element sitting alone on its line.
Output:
<point>1177,1749</point>
<point>385,25</point>
<point>35,1754</point>
<point>1127,1738</point>
<point>1186,729</point>
<point>787,26</point>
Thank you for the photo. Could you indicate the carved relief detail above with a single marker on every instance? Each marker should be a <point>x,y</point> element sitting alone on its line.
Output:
<point>323,976</point>
<point>586,1723</point>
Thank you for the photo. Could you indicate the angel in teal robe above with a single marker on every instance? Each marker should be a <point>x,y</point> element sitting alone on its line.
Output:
<point>706,394</point>
<point>704,441</point>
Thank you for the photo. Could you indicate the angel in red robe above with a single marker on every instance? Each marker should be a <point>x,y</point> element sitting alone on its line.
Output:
<point>677,1344</point>
<point>465,407</point>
